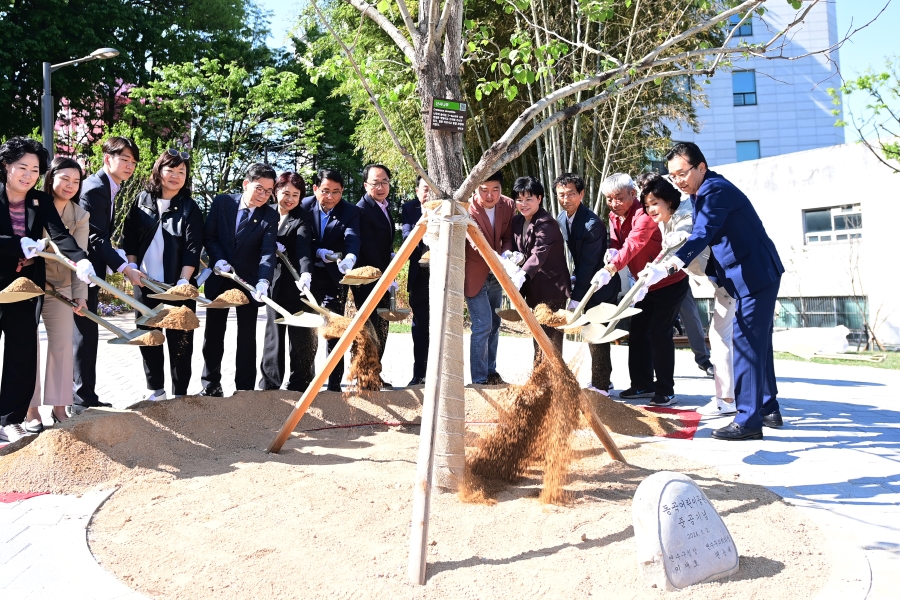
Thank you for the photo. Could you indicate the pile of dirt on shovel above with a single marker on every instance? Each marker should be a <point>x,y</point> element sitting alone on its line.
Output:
<point>23,284</point>
<point>177,317</point>
<point>233,296</point>
<point>185,289</point>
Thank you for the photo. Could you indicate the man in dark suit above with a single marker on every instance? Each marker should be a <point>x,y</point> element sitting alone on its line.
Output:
<point>98,197</point>
<point>745,262</point>
<point>586,238</point>
<point>376,244</point>
<point>335,225</point>
<point>239,235</point>
<point>417,283</point>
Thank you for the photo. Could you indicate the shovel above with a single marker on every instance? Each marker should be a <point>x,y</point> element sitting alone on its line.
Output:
<point>146,312</point>
<point>122,337</point>
<point>301,319</point>
<point>10,297</point>
<point>161,292</point>
<point>311,300</point>
<point>393,313</point>
<point>510,314</point>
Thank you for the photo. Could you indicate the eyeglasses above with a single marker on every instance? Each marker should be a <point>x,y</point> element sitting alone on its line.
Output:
<point>681,176</point>
<point>331,192</point>
<point>174,152</point>
<point>260,190</point>
<point>378,184</point>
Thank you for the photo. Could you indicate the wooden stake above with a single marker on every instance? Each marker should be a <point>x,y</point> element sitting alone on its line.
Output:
<point>518,302</point>
<point>356,324</point>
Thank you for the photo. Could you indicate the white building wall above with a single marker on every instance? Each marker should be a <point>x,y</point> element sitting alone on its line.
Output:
<point>793,110</point>
<point>782,187</point>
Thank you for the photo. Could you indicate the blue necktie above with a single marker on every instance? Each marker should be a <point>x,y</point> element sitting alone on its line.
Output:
<point>245,216</point>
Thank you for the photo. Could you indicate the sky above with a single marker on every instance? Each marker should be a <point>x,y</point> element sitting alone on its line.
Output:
<point>866,49</point>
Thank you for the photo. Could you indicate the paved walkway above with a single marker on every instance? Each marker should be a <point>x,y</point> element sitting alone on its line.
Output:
<point>838,458</point>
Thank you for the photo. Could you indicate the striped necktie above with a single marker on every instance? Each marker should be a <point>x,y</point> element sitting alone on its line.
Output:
<point>245,216</point>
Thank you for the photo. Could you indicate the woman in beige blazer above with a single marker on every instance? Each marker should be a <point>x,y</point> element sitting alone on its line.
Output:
<point>63,181</point>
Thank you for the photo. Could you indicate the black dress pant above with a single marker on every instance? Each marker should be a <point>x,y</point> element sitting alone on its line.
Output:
<point>181,349</point>
<point>360,294</point>
<point>601,365</point>
<point>650,344</point>
<point>18,326</point>
<point>85,340</point>
<point>302,350</point>
<point>214,342</point>
<point>332,296</point>
<point>419,304</point>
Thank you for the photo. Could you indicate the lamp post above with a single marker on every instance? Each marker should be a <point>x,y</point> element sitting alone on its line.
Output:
<point>47,112</point>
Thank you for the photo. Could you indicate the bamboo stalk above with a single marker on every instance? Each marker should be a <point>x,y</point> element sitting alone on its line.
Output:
<point>356,324</point>
<point>490,257</point>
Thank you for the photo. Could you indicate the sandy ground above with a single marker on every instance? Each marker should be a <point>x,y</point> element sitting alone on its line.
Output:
<point>203,512</point>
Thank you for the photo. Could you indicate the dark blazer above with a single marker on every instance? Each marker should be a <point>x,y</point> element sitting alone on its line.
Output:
<point>252,255</point>
<point>341,232</point>
<point>545,265</point>
<point>40,214</point>
<point>724,219</point>
<point>410,213</point>
<point>96,198</point>
<point>587,243</point>
<point>376,235</point>
<point>182,230</point>
<point>295,234</point>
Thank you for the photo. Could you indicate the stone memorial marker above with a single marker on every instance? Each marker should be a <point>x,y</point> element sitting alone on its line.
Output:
<point>681,539</point>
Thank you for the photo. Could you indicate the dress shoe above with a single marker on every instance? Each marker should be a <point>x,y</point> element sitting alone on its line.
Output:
<point>773,420</point>
<point>734,432</point>
<point>214,391</point>
<point>75,409</point>
<point>334,388</point>
<point>495,379</point>
<point>416,381</point>
<point>102,404</point>
<point>385,386</point>
<point>708,368</point>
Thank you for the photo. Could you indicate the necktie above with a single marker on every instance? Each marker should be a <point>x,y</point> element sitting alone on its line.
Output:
<point>245,216</point>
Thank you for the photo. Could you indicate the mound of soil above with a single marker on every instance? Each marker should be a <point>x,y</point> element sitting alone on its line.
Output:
<point>177,317</point>
<point>23,284</point>
<point>185,289</point>
<point>151,338</point>
<point>233,296</point>
<point>363,273</point>
<point>546,316</point>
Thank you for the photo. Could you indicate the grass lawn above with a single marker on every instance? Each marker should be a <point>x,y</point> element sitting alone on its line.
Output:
<point>891,362</point>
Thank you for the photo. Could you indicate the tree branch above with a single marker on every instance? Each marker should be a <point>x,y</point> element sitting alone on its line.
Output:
<point>407,20</point>
<point>382,21</point>
<point>442,23</point>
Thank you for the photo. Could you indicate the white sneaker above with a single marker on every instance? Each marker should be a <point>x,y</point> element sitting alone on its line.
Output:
<point>716,407</point>
<point>12,433</point>
<point>599,391</point>
<point>157,396</point>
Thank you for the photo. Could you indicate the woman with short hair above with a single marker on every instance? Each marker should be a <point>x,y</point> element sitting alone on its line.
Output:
<point>24,215</point>
<point>63,182</point>
<point>163,234</point>
<point>294,242</point>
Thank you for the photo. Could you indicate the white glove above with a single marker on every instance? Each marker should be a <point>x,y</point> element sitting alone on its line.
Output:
<point>182,281</point>
<point>346,264</point>
<point>303,282</point>
<point>518,278</point>
<point>610,255</point>
<point>31,247</point>
<point>83,271</point>
<point>572,279</point>
<point>203,276</point>
<point>654,273</point>
<point>601,278</point>
<point>262,290</point>
<point>517,258</point>
<point>223,266</point>
<point>280,246</point>
<point>573,304</point>
<point>321,252</point>
<point>641,294</point>
<point>394,286</point>
<point>673,238</point>
<point>507,254</point>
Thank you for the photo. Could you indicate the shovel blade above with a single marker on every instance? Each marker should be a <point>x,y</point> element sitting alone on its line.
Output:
<point>593,334</point>
<point>319,309</point>
<point>508,314</point>
<point>302,319</point>
<point>10,297</point>
<point>167,297</point>
<point>392,315</point>
<point>221,304</point>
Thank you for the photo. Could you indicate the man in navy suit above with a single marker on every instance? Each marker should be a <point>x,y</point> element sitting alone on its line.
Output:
<point>98,197</point>
<point>586,238</point>
<point>335,231</point>
<point>239,235</point>
<point>417,283</point>
<point>376,244</point>
<point>745,262</point>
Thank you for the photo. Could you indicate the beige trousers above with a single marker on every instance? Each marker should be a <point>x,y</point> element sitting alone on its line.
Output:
<point>59,320</point>
<point>721,352</point>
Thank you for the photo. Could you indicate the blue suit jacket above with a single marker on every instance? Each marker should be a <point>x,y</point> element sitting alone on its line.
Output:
<point>96,197</point>
<point>587,243</point>
<point>410,213</point>
<point>252,254</point>
<point>341,233</point>
<point>724,219</point>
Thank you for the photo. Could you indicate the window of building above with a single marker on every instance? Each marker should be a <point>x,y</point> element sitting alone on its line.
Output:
<point>744,30</point>
<point>849,311</point>
<point>835,224</point>
<point>748,150</point>
<point>743,84</point>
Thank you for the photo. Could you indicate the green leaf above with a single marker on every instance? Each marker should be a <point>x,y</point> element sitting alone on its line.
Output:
<point>505,68</point>
<point>511,93</point>
<point>383,6</point>
<point>478,94</point>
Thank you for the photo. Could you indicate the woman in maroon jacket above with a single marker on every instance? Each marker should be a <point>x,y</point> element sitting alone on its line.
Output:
<point>544,276</point>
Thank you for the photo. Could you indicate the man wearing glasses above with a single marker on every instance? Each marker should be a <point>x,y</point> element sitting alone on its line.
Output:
<point>239,235</point>
<point>376,248</point>
<point>745,262</point>
<point>335,244</point>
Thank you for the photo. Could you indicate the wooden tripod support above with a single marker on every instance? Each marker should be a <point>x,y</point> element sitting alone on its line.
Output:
<point>356,324</point>
<point>518,302</point>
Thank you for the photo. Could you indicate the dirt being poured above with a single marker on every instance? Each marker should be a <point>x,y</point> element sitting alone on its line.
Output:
<point>232,296</point>
<point>177,317</point>
<point>151,338</point>
<point>546,316</point>
<point>23,284</point>
<point>185,289</point>
<point>363,273</point>
<point>365,365</point>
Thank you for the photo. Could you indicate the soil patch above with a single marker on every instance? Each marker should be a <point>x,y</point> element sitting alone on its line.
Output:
<point>546,316</point>
<point>363,273</point>
<point>177,317</point>
<point>23,284</point>
<point>151,338</point>
<point>185,289</point>
<point>233,296</point>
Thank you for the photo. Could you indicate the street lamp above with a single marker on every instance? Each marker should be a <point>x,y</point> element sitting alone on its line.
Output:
<point>47,113</point>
